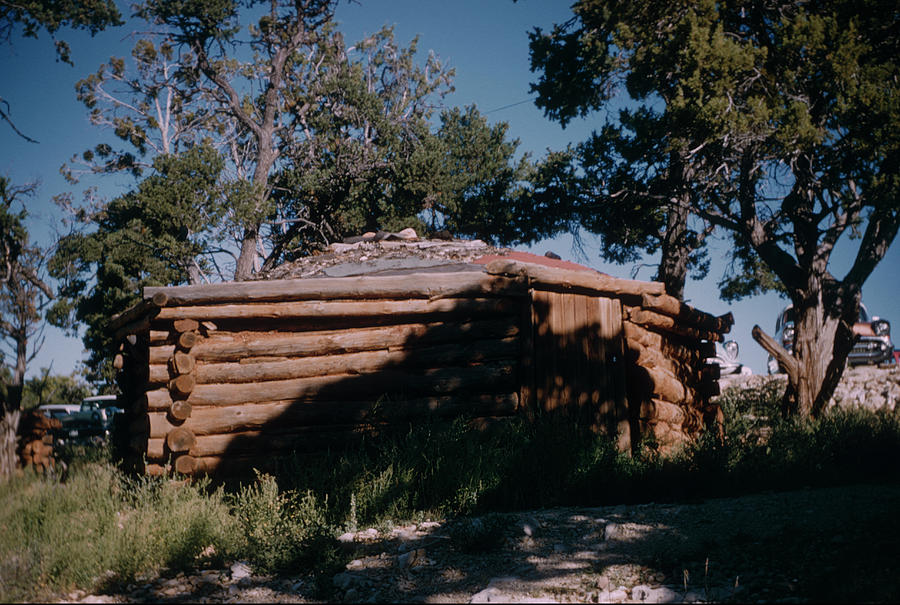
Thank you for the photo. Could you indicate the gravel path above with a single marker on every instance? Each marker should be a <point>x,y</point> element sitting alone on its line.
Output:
<point>836,544</point>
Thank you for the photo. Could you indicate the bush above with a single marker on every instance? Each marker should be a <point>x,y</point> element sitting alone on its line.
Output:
<point>283,530</point>
<point>59,535</point>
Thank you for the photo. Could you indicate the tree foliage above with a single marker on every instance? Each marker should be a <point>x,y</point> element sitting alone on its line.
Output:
<point>165,232</point>
<point>638,176</point>
<point>34,16</point>
<point>778,122</point>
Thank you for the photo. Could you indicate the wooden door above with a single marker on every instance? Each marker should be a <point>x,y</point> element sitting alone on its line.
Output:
<point>578,361</point>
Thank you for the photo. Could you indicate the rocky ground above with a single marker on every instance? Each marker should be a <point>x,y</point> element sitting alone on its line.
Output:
<point>834,545</point>
<point>837,545</point>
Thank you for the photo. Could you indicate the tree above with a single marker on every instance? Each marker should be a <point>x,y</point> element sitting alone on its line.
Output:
<point>205,31</point>
<point>162,233</point>
<point>23,297</point>
<point>54,388</point>
<point>792,113</point>
<point>811,161</point>
<point>639,177</point>
<point>33,16</point>
<point>354,159</point>
<point>149,107</point>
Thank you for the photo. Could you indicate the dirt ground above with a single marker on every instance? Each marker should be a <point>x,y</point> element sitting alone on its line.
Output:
<point>816,545</point>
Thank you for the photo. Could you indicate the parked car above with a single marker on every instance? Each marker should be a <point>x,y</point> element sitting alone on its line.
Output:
<point>872,346</point>
<point>93,419</point>
<point>727,359</point>
<point>57,410</point>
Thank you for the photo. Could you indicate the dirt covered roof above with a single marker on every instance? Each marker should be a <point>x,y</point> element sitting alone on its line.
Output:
<point>385,253</point>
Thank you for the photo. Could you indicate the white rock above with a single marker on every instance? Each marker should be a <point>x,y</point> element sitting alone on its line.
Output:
<point>640,593</point>
<point>239,570</point>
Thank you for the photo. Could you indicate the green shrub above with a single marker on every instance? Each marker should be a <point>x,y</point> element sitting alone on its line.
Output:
<point>57,536</point>
<point>283,530</point>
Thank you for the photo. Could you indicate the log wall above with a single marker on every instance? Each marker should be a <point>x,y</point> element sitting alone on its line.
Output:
<point>211,380</point>
<point>218,377</point>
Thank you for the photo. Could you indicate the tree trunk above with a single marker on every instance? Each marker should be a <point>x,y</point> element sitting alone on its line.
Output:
<point>9,425</point>
<point>676,251</point>
<point>821,327</point>
<point>246,260</point>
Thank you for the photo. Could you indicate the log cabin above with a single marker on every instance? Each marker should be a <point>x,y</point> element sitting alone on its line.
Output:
<point>219,378</point>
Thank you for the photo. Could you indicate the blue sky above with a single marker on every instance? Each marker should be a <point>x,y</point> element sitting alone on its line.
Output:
<point>484,40</point>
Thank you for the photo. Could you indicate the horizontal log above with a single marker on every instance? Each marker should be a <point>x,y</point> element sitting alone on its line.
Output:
<point>365,362</point>
<point>238,345</point>
<point>658,383</point>
<point>686,314</point>
<point>569,278</point>
<point>687,351</point>
<point>300,439</point>
<point>649,357</point>
<point>187,340</point>
<point>140,310</point>
<point>185,325</point>
<point>283,414</point>
<point>180,439</point>
<point>662,411</point>
<point>329,309</point>
<point>182,363</point>
<point>161,337</point>
<point>344,386</point>
<point>664,323</point>
<point>711,372</point>
<point>415,285</point>
<point>130,329</point>
<point>180,410</point>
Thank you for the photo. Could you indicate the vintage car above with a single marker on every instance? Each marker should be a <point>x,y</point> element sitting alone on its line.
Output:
<point>872,346</point>
<point>727,360</point>
<point>94,418</point>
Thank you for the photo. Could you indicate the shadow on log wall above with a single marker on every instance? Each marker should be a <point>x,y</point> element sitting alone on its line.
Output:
<point>227,387</point>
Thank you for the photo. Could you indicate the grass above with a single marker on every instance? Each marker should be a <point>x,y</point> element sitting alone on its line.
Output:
<point>91,525</point>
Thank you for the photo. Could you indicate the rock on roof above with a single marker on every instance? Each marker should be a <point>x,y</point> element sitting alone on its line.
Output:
<point>387,254</point>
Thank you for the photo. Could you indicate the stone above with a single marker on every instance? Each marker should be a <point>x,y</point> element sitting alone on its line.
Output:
<point>530,527</point>
<point>351,596</point>
<point>603,582</point>
<point>617,596</point>
<point>663,594</point>
<point>347,537</point>
<point>641,593</point>
<point>413,558</point>
<point>612,531</point>
<point>489,595</point>
<point>240,569</point>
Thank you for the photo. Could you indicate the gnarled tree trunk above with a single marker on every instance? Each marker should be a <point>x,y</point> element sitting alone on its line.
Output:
<point>823,339</point>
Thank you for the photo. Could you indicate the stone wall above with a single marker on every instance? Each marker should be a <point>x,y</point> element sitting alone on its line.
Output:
<point>862,386</point>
